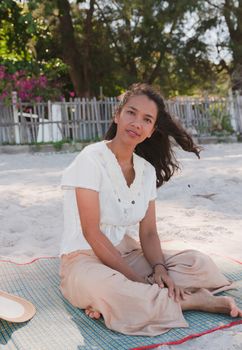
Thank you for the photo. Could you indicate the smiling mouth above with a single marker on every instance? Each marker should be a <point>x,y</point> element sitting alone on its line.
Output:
<point>133,133</point>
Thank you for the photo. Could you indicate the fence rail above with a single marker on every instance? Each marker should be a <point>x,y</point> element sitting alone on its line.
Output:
<point>89,119</point>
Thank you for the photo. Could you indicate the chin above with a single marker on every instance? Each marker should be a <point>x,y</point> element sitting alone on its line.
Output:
<point>133,143</point>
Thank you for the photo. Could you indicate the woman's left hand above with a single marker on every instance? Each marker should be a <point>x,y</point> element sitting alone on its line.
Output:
<point>162,278</point>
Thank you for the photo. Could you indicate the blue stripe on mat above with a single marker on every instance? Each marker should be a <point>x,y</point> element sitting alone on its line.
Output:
<point>59,326</point>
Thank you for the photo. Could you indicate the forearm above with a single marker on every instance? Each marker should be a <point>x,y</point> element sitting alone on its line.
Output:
<point>151,247</point>
<point>110,256</point>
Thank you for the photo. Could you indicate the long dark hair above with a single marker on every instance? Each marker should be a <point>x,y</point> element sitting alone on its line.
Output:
<point>158,148</point>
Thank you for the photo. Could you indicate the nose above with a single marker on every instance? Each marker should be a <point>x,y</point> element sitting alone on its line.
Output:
<point>137,123</point>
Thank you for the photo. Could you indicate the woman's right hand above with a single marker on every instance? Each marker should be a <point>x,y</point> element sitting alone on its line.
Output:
<point>162,278</point>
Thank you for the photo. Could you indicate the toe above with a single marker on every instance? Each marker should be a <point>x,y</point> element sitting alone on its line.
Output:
<point>92,313</point>
<point>89,312</point>
<point>239,313</point>
<point>234,312</point>
<point>96,314</point>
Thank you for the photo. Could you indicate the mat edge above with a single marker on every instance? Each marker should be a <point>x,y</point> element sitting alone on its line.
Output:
<point>191,336</point>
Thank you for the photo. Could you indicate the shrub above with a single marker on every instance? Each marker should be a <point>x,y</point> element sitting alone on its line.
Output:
<point>28,88</point>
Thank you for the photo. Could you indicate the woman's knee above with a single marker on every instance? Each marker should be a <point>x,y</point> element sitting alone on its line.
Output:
<point>202,259</point>
<point>198,258</point>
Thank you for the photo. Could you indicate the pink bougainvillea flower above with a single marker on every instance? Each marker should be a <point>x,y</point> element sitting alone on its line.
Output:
<point>3,95</point>
<point>28,88</point>
<point>2,72</point>
<point>38,98</point>
<point>42,81</point>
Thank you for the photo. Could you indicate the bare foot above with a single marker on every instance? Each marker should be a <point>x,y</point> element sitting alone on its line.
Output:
<point>203,300</point>
<point>92,313</point>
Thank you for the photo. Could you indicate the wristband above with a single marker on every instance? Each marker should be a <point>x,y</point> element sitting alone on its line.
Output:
<point>162,264</point>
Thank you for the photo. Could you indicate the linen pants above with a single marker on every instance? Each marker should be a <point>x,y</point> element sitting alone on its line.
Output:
<point>129,307</point>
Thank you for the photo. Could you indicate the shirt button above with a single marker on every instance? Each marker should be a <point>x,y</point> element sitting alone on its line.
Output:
<point>133,202</point>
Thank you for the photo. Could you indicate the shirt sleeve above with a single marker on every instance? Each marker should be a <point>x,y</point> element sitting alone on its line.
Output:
<point>83,172</point>
<point>153,192</point>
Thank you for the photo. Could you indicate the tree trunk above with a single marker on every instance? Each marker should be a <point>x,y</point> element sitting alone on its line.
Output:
<point>70,52</point>
<point>235,31</point>
<point>87,71</point>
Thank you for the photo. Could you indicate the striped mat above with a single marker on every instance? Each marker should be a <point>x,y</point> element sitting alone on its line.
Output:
<point>59,326</point>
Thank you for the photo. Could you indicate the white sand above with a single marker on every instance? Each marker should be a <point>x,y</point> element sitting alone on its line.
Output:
<point>201,207</point>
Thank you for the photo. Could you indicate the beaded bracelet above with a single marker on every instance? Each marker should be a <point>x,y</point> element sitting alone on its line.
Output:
<point>162,264</point>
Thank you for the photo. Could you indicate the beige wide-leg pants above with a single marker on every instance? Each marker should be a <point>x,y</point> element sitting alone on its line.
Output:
<point>132,307</point>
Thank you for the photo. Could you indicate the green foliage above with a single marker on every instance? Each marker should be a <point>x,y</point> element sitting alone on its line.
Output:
<point>58,145</point>
<point>220,120</point>
<point>17,30</point>
<point>119,43</point>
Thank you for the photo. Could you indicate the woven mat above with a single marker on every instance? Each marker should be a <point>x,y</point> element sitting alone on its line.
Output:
<point>59,326</point>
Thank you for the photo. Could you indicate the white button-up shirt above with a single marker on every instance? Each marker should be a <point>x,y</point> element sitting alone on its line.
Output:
<point>121,207</point>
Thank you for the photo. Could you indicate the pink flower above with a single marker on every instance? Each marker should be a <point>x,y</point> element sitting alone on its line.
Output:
<point>42,81</point>
<point>2,72</point>
<point>3,95</point>
<point>72,94</point>
<point>19,74</point>
<point>24,95</point>
<point>38,98</point>
<point>28,87</point>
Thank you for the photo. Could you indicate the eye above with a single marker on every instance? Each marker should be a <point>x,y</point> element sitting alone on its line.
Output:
<point>130,112</point>
<point>148,120</point>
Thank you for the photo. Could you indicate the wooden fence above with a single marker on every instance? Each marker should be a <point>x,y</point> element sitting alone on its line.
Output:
<point>84,119</point>
<point>208,116</point>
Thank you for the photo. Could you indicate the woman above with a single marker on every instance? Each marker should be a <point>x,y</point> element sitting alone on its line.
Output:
<point>112,263</point>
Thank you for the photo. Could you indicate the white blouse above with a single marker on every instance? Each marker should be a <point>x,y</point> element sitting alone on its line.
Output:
<point>121,207</point>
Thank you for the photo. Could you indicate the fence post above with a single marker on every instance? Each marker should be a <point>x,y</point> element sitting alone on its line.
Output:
<point>98,119</point>
<point>239,110</point>
<point>232,112</point>
<point>57,130</point>
<point>15,117</point>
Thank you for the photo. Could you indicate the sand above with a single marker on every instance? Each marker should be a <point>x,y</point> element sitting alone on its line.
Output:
<point>201,207</point>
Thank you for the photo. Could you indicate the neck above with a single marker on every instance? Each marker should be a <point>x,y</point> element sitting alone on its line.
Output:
<point>123,152</point>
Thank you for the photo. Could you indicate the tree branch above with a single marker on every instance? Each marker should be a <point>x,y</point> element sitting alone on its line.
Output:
<point>227,9</point>
<point>213,5</point>
<point>155,71</point>
<point>119,51</point>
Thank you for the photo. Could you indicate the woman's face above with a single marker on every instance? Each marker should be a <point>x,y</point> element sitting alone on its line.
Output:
<point>137,119</point>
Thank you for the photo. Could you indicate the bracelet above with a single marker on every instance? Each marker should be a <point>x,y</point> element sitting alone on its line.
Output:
<point>162,264</point>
